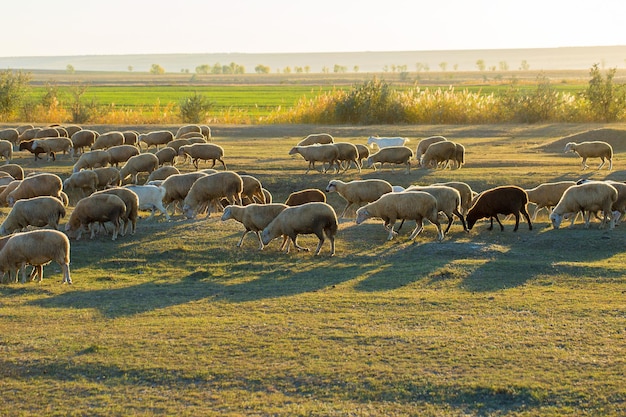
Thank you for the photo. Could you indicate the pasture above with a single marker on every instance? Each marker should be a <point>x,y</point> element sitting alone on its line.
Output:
<point>177,320</point>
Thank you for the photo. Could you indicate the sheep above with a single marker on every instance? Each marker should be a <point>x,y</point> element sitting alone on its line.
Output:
<point>28,134</point>
<point>13,170</point>
<point>37,211</point>
<point>203,151</point>
<point>162,173</point>
<point>467,194</point>
<point>317,153</point>
<point>254,217</point>
<point>177,143</point>
<point>108,140</point>
<point>97,208</point>
<point>319,138</point>
<point>359,191</point>
<point>47,132</point>
<point>187,129</point>
<point>27,145</point>
<point>131,201</point>
<point>252,189</point>
<point>195,136</point>
<point>227,184</point>
<point>83,139</point>
<point>206,131</point>
<point>364,152</point>
<point>8,189</point>
<point>448,202</point>
<point>593,149</point>
<point>155,138</point>
<point>130,137</point>
<point>150,198</point>
<point>310,195</point>
<point>121,153</point>
<point>85,181</point>
<point>107,176</point>
<point>22,128</point>
<point>10,134</point>
<point>71,130</point>
<point>268,196</point>
<point>145,162</point>
<point>37,248</point>
<point>5,179</point>
<point>415,205</point>
<point>459,155</point>
<point>177,187</point>
<point>547,195</point>
<point>166,155</point>
<point>36,185</point>
<point>590,197</point>
<point>385,142</point>
<point>425,143</point>
<point>437,153</point>
<point>310,218</point>
<point>53,145</point>
<point>6,150</point>
<point>507,199</point>
<point>393,155</point>
<point>347,153</point>
<point>92,159</point>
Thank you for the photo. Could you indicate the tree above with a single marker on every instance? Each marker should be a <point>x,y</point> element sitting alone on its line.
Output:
<point>203,69</point>
<point>503,66</point>
<point>13,89</point>
<point>262,69</point>
<point>70,69</point>
<point>130,68</point>
<point>339,68</point>
<point>480,64</point>
<point>356,68</point>
<point>524,66</point>
<point>194,109</point>
<point>156,69</point>
<point>607,99</point>
<point>443,66</point>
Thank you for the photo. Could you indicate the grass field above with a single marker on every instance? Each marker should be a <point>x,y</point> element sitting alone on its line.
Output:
<point>177,320</point>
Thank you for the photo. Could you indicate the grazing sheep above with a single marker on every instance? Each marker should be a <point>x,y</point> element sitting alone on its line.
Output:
<point>23,128</point>
<point>385,142</point>
<point>319,138</point>
<point>310,218</point>
<point>121,153</point>
<point>130,137</point>
<point>145,162</point>
<point>156,138</point>
<point>227,184</point>
<point>593,149</point>
<point>252,189</point>
<point>28,134</point>
<point>71,129</point>
<point>392,155</point>
<point>310,195</point>
<point>206,131</point>
<point>131,201</point>
<point>97,208</point>
<point>166,155</point>
<point>390,207</point>
<point>27,145</point>
<point>448,202</point>
<point>53,145</point>
<point>268,196</point>
<point>10,134</point>
<point>196,136</point>
<point>36,248</point>
<point>188,129</point>
<point>317,153</point>
<point>364,152</point>
<point>83,139</point>
<point>254,217</point>
<point>13,170</point>
<point>92,159</point>
<point>203,151</point>
<point>459,155</point>
<point>177,143</point>
<point>589,197</point>
<point>547,195</point>
<point>107,176</point>
<point>150,198</point>
<point>359,192</point>
<point>6,150</point>
<point>437,153</point>
<point>162,173</point>
<point>507,199</point>
<point>35,186</point>
<point>8,189</point>
<point>177,187</point>
<point>347,153</point>
<point>37,211</point>
<point>48,132</point>
<point>424,144</point>
<point>108,140</point>
<point>86,181</point>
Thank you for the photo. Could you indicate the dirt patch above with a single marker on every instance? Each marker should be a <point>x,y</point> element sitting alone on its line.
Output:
<point>615,137</point>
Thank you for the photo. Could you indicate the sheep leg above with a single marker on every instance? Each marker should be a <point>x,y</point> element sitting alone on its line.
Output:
<point>331,237</point>
<point>450,220</point>
<point>195,163</point>
<point>392,233</point>
<point>460,216</point>
<point>585,166</point>
<point>527,217</point>
<point>498,220</point>
<point>602,164</point>
<point>345,210</point>
<point>67,279</point>
<point>244,235</point>
<point>320,236</point>
<point>419,226</point>
<point>295,243</point>
<point>516,222</point>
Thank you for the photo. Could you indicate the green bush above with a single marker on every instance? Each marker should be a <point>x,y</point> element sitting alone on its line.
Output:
<point>194,109</point>
<point>372,102</point>
<point>13,89</point>
<point>607,100</point>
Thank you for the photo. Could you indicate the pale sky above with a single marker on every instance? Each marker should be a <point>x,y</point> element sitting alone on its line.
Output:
<point>85,27</point>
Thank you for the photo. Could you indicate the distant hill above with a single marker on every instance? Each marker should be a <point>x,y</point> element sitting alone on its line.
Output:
<point>570,58</point>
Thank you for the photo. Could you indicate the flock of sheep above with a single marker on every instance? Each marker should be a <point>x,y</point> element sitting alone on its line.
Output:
<point>39,200</point>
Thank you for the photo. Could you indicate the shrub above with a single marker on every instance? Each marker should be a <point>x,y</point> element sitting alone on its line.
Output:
<point>372,102</point>
<point>606,99</point>
<point>13,89</point>
<point>194,109</point>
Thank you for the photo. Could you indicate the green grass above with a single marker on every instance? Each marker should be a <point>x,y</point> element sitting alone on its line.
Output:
<point>176,320</point>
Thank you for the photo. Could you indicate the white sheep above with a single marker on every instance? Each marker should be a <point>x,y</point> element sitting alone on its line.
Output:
<point>425,143</point>
<point>130,137</point>
<point>319,138</point>
<point>37,211</point>
<point>310,218</point>
<point>162,173</point>
<point>467,194</point>
<point>400,155</point>
<point>254,217</point>
<point>14,170</point>
<point>364,152</point>
<point>166,155</point>
<point>131,201</point>
<point>448,202</point>
<point>415,205</point>
<point>156,138</point>
<point>83,139</point>
<point>440,152</point>
<point>107,176</point>
<point>317,153</point>
<point>6,150</point>
<point>547,195</point>
<point>386,142</point>
<point>145,162</point>
<point>347,152</point>
<point>85,181</point>
<point>188,129</point>
<point>92,159</point>
<point>10,134</point>
<point>6,190</point>
<point>53,145</point>
<point>203,151</point>
<point>358,192</point>
<point>459,155</point>
<point>36,248</point>
<point>97,208</point>
<point>108,140</point>
<point>48,132</point>
<point>213,187</point>
<point>177,187</point>
<point>309,195</point>
<point>589,197</point>
<point>36,185</point>
<point>252,190</point>
<point>593,149</point>
<point>121,153</point>
<point>150,198</point>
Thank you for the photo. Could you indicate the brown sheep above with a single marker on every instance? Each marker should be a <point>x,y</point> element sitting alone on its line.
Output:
<point>508,199</point>
<point>27,145</point>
